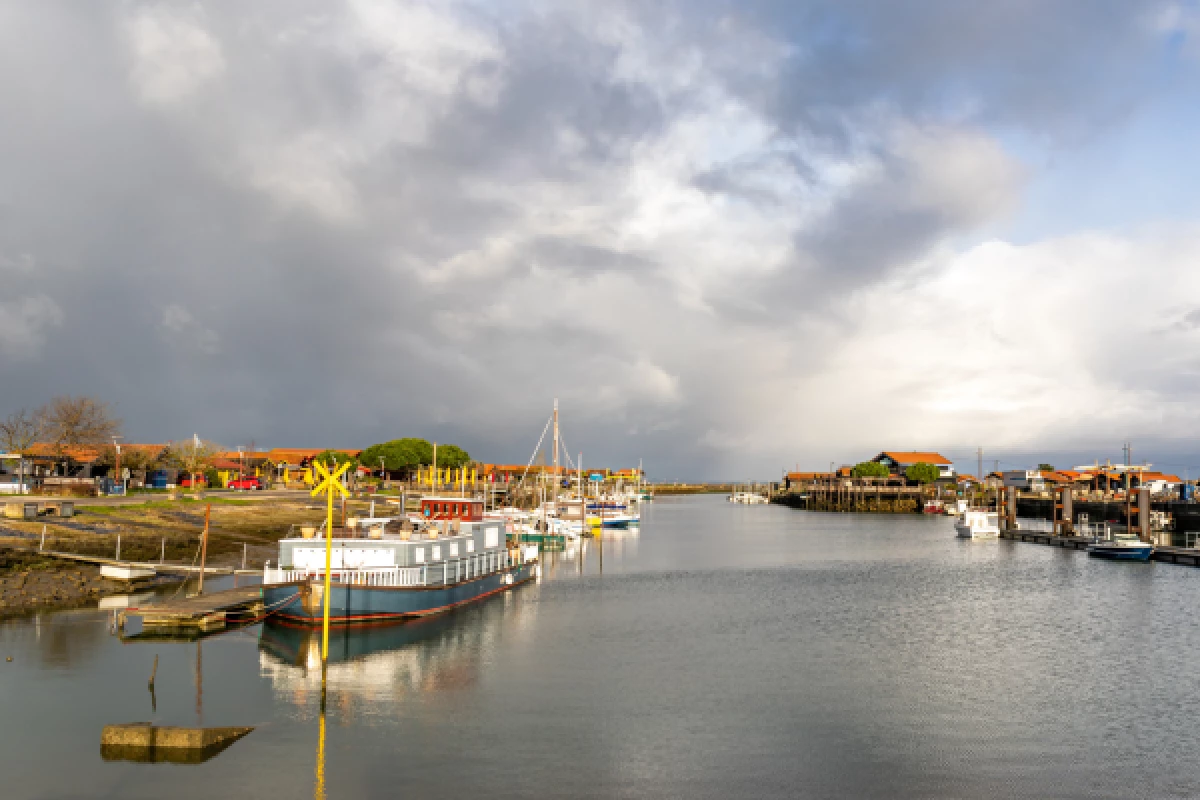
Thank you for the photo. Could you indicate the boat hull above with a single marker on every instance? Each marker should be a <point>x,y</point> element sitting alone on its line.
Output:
<point>965,532</point>
<point>364,605</point>
<point>1120,553</point>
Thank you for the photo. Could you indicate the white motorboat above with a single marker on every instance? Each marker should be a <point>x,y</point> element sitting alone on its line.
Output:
<point>978,524</point>
<point>747,498</point>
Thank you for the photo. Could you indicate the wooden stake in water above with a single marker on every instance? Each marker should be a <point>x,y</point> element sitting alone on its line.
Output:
<point>118,558</point>
<point>204,547</point>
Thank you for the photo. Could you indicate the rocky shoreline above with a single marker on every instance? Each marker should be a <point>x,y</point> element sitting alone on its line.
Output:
<point>29,581</point>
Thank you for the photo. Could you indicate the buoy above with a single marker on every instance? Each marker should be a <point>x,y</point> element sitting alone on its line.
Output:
<point>8,659</point>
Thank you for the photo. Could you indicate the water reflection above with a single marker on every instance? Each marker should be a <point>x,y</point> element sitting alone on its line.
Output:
<point>586,556</point>
<point>386,661</point>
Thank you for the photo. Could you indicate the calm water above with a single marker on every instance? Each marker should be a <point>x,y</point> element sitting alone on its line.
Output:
<point>724,651</point>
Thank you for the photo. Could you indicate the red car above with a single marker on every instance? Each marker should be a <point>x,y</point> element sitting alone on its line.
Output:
<point>245,483</point>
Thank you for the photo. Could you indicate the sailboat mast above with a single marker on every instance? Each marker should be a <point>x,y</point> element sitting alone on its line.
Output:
<point>556,477</point>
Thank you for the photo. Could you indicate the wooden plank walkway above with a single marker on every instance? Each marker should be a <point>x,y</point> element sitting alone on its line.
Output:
<point>202,611</point>
<point>154,565</point>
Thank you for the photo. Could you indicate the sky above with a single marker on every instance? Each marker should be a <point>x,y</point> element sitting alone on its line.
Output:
<point>730,237</point>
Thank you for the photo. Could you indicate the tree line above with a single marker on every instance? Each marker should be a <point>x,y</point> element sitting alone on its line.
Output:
<point>68,423</point>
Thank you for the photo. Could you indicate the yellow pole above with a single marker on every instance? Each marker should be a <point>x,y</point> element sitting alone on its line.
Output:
<point>328,566</point>
<point>319,788</point>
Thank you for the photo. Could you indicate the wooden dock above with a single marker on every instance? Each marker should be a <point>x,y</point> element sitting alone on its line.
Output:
<point>1171,555</point>
<point>164,567</point>
<point>202,612</point>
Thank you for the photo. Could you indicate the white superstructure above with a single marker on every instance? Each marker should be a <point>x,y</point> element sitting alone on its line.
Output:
<point>978,524</point>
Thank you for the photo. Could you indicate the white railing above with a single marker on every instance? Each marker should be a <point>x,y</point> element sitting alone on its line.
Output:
<point>379,576</point>
<point>447,571</point>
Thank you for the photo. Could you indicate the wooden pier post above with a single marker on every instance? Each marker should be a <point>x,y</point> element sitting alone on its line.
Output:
<point>204,547</point>
<point>1143,515</point>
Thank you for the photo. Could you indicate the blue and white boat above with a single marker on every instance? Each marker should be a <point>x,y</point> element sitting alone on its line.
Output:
<point>394,569</point>
<point>1121,547</point>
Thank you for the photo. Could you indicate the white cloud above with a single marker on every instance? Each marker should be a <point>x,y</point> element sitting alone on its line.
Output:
<point>173,53</point>
<point>1036,346</point>
<point>187,332</point>
<point>24,322</point>
<point>19,263</point>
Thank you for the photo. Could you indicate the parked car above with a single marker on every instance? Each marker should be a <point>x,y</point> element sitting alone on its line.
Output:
<point>186,482</point>
<point>251,482</point>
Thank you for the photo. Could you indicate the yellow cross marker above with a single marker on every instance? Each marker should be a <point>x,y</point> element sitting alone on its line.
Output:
<point>329,486</point>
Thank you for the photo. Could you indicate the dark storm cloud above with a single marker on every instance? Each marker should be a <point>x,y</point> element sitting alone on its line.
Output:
<point>435,218</point>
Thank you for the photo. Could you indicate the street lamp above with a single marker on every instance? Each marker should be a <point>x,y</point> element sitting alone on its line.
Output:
<point>382,473</point>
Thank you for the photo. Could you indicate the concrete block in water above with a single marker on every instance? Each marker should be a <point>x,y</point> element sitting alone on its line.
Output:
<point>144,742</point>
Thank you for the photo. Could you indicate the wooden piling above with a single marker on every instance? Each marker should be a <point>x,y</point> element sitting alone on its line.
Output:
<point>204,546</point>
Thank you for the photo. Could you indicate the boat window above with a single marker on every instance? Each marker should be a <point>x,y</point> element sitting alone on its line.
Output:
<point>437,553</point>
<point>491,538</point>
<point>419,555</point>
<point>454,549</point>
<point>470,545</point>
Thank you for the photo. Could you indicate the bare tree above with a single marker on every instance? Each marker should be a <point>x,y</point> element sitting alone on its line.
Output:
<point>18,432</point>
<point>133,457</point>
<point>73,421</point>
<point>193,455</point>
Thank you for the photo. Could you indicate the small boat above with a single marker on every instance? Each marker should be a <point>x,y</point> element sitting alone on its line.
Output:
<point>449,557</point>
<point>748,498</point>
<point>978,524</point>
<point>957,510</point>
<point>1121,547</point>
<point>933,507</point>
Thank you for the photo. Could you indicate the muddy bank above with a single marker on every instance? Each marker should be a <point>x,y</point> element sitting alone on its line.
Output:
<point>29,581</point>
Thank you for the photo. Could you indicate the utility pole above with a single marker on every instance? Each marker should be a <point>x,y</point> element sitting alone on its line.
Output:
<point>434,468</point>
<point>117,447</point>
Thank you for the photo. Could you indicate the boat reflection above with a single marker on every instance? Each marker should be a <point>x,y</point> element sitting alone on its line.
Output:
<point>374,662</point>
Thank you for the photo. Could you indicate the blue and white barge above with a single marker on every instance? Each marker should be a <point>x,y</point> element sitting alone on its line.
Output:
<point>391,569</point>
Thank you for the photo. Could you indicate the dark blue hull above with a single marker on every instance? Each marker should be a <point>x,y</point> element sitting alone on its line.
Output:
<point>1121,553</point>
<point>359,605</point>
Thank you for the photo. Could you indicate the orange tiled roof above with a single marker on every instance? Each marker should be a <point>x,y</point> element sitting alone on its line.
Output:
<point>904,457</point>
<point>75,452</point>
<point>286,454</point>
<point>1159,476</point>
